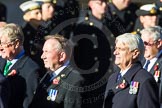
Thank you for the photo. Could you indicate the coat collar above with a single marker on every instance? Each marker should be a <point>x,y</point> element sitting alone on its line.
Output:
<point>125,81</point>
<point>159,61</point>
<point>132,72</point>
<point>60,78</point>
<point>16,66</point>
<point>19,63</point>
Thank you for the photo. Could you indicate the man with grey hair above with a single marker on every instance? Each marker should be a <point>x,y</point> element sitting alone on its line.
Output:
<point>133,86</point>
<point>152,38</point>
<point>19,69</point>
<point>60,85</point>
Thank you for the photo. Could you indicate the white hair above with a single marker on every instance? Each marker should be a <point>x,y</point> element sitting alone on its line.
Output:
<point>133,41</point>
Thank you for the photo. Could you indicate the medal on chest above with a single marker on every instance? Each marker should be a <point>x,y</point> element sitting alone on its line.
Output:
<point>133,87</point>
<point>52,94</point>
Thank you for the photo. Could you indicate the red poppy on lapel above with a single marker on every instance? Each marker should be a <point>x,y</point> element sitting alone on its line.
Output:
<point>121,85</point>
<point>56,80</point>
<point>156,67</point>
<point>12,73</point>
<point>157,72</point>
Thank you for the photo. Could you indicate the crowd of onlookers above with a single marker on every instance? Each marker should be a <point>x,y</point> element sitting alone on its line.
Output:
<point>107,56</point>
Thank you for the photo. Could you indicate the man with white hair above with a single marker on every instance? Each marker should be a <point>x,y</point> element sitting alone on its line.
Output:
<point>132,86</point>
<point>152,38</point>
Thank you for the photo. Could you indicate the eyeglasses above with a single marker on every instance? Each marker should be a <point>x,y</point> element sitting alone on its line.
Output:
<point>6,44</point>
<point>149,44</point>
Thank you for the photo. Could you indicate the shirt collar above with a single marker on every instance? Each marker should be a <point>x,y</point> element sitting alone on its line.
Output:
<point>16,58</point>
<point>124,71</point>
<point>61,68</point>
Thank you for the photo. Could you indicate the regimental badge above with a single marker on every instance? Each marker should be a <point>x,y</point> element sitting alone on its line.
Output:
<point>52,94</point>
<point>134,87</point>
<point>153,11</point>
<point>157,72</point>
<point>121,85</point>
<point>62,75</point>
<point>134,32</point>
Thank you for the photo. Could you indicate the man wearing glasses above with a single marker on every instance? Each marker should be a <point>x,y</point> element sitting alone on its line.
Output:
<point>20,70</point>
<point>152,38</point>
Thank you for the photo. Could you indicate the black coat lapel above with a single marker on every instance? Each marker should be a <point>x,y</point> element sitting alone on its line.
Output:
<point>2,64</point>
<point>19,64</point>
<point>58,80</point>
<point>159,61</point>
<point>127,78</point>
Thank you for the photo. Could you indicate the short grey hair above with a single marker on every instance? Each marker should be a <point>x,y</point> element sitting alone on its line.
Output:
<point>64,44</point>
<point>133,41</point>
<point>154,32</point>
<point>13,32</point>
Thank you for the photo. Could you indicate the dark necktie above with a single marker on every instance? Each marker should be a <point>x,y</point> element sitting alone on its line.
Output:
<point>53,75</point>
<point>146,65</point>
<point>8,64</point>
<point>119,77</point>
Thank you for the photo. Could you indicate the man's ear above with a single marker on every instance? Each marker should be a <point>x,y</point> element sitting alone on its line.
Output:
<point>135,53</point>
<point>90,4</point>
<point>159,43</point>
<point>141,18</point>
<point>17,43</point>
<point>62,56</point>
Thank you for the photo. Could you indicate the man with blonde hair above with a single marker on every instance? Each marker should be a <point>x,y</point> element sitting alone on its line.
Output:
<point>21,71</point>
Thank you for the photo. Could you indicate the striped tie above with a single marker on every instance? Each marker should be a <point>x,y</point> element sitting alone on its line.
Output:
<point>146,65</point>
<point>119,77</point>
